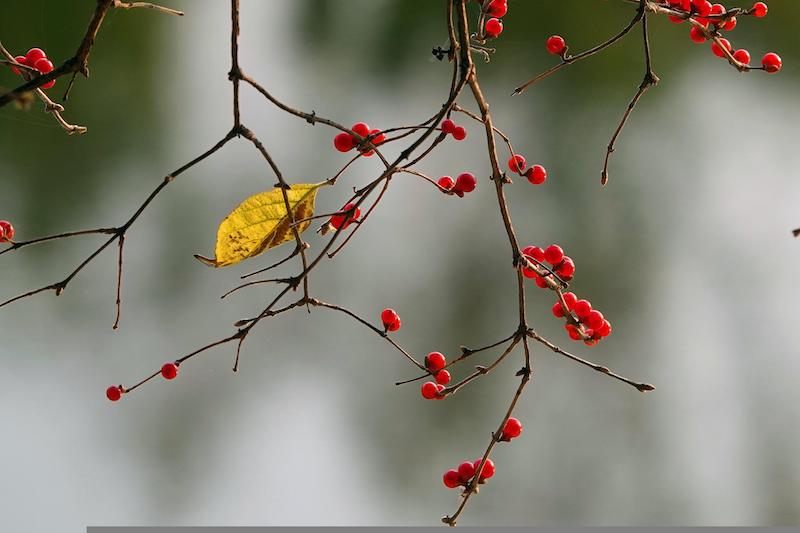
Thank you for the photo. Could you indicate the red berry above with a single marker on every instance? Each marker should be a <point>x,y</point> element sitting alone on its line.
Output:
<point>566,269</point>
<point>771,62</point>
<point>344,142</point>
<point>697,35</point>
<point>429,390</point>
<point>361,128</point>
<point>169,371</point>
<point>536,174</point>
<point>113,393</point>
<point>534,252</point>
<point>442,377</point>
<point>439,388</point>
<point>6,231</point>
<point>465,182</point>
<point>729,24</point>
<point>570,299</point>
<point>540,282</point>
<point>435,361</point>
<point>341,221</point>
<point>452,479</point>
<point>493,27</point>
<point>512,429</point>
<point>717,9</point>
<point>22,61</point>
<point>446,182</point>
<point>448,126</point>
<point>488,468</point>
<point>33,55</point>
<point>703,7</point>
<point>390,319</point>
<point>742,56</point>
<point>573,332</point>
<point>718,50</point>
<point>516,164</point>
<point>595,319</point>
<point>377,137</point>
<point>498,8</point>
<point>558,310</point>
<point>759,9</point>
<point>582,308</point>
<point>556,45</point>
<point>459,133</point>
<point>553,254</point>
<point>43,65</point>
<point>604,330</point>
<point>467,471</point>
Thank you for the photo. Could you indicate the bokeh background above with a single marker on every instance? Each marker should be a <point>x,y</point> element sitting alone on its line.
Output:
<point>688,251</point>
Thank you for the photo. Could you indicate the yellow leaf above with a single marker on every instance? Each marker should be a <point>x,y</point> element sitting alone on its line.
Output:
<point>261,222</point>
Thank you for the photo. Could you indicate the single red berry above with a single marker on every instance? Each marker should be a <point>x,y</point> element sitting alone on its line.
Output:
<point>452,479</point>
<point>49,84</point>
<point>343,220</point>
<point>488,468</point>
<point>448,126</point>
<point>540,282</point>
<point>33,55</point>
<point>377,137</point>
<point>717,9</point>
<point>512,429</point>
<point>6,231</point>
<point>595,319</point>
<point>498,8</point>
<point>459,133</point>
<point>570,299</point>
<point>685,5</point>
<point>439,389</point>
<point>43,65</point>
<point>553,254</point>
<point>113,393</point>
<point>556,45</point>
<point>582,308</point>
<point>516,164</point>
<point>169,371</point>
<point>493,27</point>
<point>344,142</point>
<point>442,377</point>
<point>536,174</point>
<point>566,269</point>
<point>730,24</point>
<point>467,471</point>
<point>697,35</point>
<point>429,390</point>
<point>718,50</point>
<point>446,182</point>
<point>742,56</point>
<point>703,7</point>
<point>465,182</point>
<point>771,62</point>
<point>22,61</point>
<point>759,9</point>
<point>534,252</point>
<point>558,310</point>
<point>389,317</point>
<point>361,128</point>
<point>435,361</point>
<point>573,332</point>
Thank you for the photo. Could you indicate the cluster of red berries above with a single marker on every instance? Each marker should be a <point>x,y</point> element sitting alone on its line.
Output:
<point>464,183</point>
<point>562,265</point>
<point>496,9</point>
<point>168,371</point>
<point>344,142</point>
<point>535,174</point>
<point>556,45</point>
<point>465,473</point>
<point>6,231</point>
<point>390,319</point>
<point>712,18</point>
<point>592,325</point>
<point>36,58</point>
<point>449,127</point>
<point>435,363</point>
<point>347,216</point>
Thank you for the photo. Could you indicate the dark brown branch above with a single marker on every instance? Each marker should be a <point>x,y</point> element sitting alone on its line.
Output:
<point>119,280</point>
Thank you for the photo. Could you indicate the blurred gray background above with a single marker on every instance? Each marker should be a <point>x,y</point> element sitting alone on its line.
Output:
<point>688,251</point>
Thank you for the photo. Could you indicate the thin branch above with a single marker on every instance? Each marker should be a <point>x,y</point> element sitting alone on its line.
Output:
<point>119,281</point>
<point>120,4</point>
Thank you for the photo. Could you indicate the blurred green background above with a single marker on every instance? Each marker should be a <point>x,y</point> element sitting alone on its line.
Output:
<point>688,252</point>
